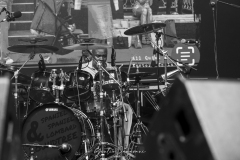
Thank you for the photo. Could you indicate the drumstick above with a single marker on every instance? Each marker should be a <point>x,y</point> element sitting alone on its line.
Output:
<point>130,63</point>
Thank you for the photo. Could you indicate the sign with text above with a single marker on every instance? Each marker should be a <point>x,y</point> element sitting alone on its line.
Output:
<point>186,53</point>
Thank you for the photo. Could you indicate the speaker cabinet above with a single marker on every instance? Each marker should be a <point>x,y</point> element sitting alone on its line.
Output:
<point>199,120</point>
<point>10,142</point>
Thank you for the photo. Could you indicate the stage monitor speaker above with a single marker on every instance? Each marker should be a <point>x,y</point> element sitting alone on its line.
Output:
<point>10,141</point>
<point>199,120</point>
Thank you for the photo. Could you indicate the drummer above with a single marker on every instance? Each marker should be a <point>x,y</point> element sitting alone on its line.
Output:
<point>92,68</point>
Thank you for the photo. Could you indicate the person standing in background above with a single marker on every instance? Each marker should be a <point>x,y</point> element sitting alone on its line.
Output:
<point>179,4</point>
<point>142,10</point>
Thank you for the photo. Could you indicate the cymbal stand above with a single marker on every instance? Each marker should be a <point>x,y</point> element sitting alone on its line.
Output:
<point>102,118</point>
<point>166,56</point>
<point>138,116</point>
<point>31,56</point>
<point>113,101</point>
<point>158,36</point>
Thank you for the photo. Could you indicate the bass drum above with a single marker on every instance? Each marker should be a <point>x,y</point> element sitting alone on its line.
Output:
<point>79,86</point>
<point>54,124</point>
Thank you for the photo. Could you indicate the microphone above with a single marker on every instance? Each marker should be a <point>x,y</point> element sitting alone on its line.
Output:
<point>213,3</point>
<point>80,63</point>
<point>113,57</point>
<point>65,148</point>
<point>12,16</point>
<point>189,41</point>
<point>41,64</point>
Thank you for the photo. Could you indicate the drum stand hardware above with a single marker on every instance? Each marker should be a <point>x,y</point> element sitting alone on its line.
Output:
<point>102,117</point>
<point>139,124</point>
<point>115,119</point>
<point>53,78</point>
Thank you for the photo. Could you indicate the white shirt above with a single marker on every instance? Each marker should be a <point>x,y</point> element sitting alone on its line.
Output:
<point>88,67</point>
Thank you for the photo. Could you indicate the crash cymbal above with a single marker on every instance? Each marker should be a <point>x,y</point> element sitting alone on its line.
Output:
<point>145,29</point>
<point>87,46</point>
<point>23,79</point>
<point>140,74</point>
<point>31,48</point>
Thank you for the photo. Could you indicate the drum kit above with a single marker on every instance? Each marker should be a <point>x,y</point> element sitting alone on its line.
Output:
<point>54,130</point>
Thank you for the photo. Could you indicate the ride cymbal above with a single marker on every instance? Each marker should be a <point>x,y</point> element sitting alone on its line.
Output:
<point>145,29</point>
<point>32,48</point>
<point>87,46</point>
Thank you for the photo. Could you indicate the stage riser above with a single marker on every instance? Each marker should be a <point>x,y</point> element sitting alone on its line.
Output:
<point>20,26</point>
<point>26,7</point>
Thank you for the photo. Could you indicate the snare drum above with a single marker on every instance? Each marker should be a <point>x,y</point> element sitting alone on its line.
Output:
<point>92,108</point>
<point>41,87</point>
<point>79,86</point>
<point>109,84</point>
<point>55,124</point>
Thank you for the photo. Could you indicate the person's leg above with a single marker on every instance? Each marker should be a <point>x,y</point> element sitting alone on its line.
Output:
<point>137,10</point>
<point>180,5</point>
<point>149,15</point>
<point>144,16</point>
<point>168,6</point>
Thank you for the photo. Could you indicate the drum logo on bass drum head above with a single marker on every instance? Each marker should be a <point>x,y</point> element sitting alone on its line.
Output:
<point>51,109</point>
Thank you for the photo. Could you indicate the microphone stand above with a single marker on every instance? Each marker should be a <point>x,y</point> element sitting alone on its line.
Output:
<point>33,146</point>
<point>230,4</point>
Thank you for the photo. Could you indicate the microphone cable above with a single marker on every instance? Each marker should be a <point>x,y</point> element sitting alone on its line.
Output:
<point>215,37</point>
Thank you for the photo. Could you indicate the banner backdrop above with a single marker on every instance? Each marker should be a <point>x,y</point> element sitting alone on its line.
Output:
<point>100,19</point>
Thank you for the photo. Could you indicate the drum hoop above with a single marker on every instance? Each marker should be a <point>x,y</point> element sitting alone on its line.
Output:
<point>41,72</point>
<point>81,71</point>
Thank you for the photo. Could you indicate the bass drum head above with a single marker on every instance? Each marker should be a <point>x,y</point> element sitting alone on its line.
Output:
<point>51,124</point>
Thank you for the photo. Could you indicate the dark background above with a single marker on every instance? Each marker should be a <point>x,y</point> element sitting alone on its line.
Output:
<point>228,43</point>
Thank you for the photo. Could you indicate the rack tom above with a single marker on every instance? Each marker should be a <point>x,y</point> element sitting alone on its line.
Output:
<point>41,87</point>
<point>78,88</point>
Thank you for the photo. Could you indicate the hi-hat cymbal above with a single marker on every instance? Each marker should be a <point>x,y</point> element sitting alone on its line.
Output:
<point>145,29</point>
<point>87,46</point>
<point>140,74</point>
<point>31,48</point>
